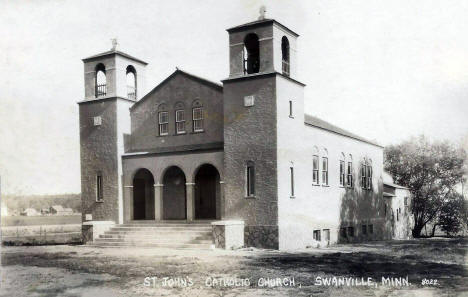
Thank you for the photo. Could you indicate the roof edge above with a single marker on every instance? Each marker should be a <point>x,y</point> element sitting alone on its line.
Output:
<point>217,86</point>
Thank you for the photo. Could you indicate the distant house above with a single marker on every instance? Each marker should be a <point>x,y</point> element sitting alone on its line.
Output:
<point>45,211</point>
<point>68,211</point>
<point>60,211</point>
<point>29,212</point>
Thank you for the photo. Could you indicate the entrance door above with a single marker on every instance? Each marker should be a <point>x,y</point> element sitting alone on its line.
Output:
<point>143,195</point>
<point>174,196</point>
<point>207,192</point>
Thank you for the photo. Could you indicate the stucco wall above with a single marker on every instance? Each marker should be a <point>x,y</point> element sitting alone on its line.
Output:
<point>116,76</point>
<point>321,207</point>
<point>179,88</point>
<point>98,151</point>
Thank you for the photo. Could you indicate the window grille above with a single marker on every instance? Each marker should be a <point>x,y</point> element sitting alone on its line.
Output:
<point>197,119</point>
<point>315,169</point>
<point>163,123</point>
<point>180,121</point>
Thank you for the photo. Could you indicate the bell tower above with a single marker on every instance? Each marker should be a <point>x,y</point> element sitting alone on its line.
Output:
<point>263,108</point>
<point>114,81</point>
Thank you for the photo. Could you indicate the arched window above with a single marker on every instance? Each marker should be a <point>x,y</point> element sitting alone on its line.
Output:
<point>285,55</point>
<point>131,83</point>
<point>180,117</point>
<point>250,179</point>
<point>342,170</point>
<point>325,167</point>
<point>366,174</point>
<point>349,172</point>
<point>251,54</point>
<point>315,166</point>
<point>197,116</point>
<point>101,82</point>
<point>163,120</point>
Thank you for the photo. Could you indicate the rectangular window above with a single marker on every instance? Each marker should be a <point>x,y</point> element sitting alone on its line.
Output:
<point>369,177</point>
<point>250,180</point>
<point>163,123</point>
<point>364,229</point>
<point>350,174</point>
<point>351,231</point>
<point>197,119</point>
<point>99,197</point>
<point>180,121</point>
<point>324,170</point>
<point>406,201</point>
<point>315,170</point>
<point>290,109</point>
<point>292,180</point>
<point>342,173</point>
<point>363,176</point>
<point>326,234</point>
<point>317,235</point>
<point>370,229</point>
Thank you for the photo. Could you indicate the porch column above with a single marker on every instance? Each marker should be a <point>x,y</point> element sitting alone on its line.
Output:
<point>222,201</point>
<point>190,201</point>
<point>127,203</point>
<point>158,202</point>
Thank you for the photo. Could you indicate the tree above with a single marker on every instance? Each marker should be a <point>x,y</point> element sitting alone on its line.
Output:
<point>453,216</point>
<point>431,171</point>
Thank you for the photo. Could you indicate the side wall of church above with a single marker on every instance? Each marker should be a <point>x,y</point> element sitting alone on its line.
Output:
<point>325,207</point>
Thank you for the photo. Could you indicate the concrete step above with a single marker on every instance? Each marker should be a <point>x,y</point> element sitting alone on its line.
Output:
<point>155,241</point>
<point>145,236</point>
<point>154,245</point>
<point>165,225</point>
<point>162,228</point>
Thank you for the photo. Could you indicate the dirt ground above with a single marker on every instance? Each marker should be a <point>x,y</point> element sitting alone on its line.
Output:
<point>65,270</point>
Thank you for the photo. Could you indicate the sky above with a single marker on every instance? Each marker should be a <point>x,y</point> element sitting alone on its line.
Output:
<point>385,70</point>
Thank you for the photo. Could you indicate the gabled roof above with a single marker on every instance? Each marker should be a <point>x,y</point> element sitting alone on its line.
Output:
<point>114,52</point>
<point>210,83</point>
<point>259,23</point>
<point>319,123</point>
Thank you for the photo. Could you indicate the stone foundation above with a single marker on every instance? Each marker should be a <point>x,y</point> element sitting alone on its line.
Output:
<point>262,237</point>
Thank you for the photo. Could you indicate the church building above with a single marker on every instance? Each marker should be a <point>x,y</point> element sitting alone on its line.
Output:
<point>238,159</point>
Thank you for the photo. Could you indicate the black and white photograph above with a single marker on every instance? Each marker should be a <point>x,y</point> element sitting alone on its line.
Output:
<point>234,148</point>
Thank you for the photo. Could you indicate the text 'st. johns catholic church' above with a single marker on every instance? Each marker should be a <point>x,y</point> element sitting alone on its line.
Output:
<point>241,155</point>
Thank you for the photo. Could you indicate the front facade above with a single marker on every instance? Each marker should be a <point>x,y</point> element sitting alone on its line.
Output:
<point>192,150</point>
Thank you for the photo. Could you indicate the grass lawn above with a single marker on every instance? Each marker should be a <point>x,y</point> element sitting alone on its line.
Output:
<point>40,220</point>
<point>91,271</point>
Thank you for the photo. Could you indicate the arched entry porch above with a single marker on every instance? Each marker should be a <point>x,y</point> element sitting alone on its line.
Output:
<point>143,195</point>
<point>174,194</point>
<point>207,193</point>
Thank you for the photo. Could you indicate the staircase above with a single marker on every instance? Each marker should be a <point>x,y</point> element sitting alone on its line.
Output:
<point>158,235</point>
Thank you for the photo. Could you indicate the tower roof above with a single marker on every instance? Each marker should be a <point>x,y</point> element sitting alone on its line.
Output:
<point>259,23</point>
<point>114,52</point>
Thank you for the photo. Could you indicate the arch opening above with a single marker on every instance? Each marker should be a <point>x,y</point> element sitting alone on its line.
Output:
<point>101,81</point>
<point>143,195</point>
<point>285,55</point>
<point>131,83</point>
<point>251,54</point>
<point>174,194</point>
<point>207,193</point>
